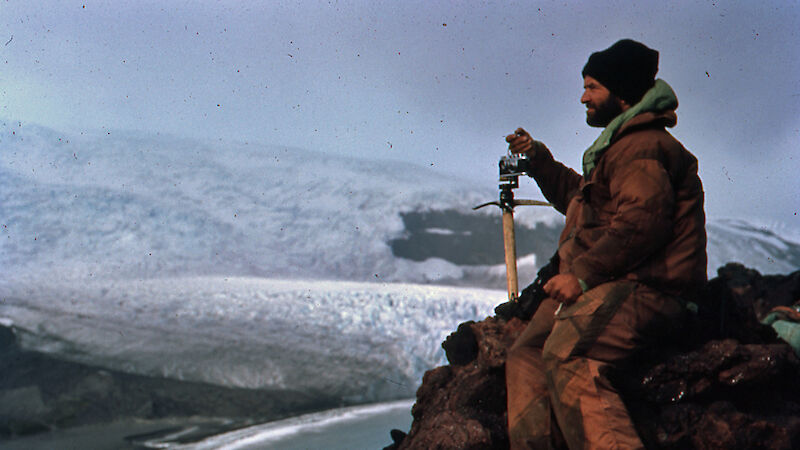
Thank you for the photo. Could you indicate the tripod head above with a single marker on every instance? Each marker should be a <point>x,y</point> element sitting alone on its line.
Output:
<point>511,167</point>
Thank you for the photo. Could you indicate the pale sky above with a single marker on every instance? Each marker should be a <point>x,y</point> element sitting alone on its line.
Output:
<point>435,83</point>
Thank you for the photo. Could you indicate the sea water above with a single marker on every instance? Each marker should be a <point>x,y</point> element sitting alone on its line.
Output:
<point>353,428</point>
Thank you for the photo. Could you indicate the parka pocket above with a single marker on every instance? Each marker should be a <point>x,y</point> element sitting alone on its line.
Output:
<point>577,326</point>
<point>585,305</point>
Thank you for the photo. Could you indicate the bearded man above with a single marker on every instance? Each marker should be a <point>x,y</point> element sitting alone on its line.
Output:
<point>632,251</point>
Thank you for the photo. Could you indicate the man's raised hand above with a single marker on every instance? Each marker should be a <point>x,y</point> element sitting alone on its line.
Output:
<point>520,142</point>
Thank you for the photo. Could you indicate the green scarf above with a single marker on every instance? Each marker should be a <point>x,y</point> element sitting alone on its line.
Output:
<point>659,98</point>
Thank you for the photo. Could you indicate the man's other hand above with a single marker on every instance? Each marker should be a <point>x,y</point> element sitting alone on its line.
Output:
<point>521,142</point>
<point>564,288</point>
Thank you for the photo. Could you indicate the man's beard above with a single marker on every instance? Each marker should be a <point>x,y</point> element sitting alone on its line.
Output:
<point>604,113</point>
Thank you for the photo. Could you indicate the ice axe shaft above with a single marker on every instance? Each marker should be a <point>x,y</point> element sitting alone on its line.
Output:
<point>510,247</point>
<point>506,204</point>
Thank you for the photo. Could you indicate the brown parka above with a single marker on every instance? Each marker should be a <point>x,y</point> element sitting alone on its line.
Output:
<point>637,216</point>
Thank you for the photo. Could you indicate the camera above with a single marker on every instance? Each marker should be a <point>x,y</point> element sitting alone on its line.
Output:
<point>512,166</point>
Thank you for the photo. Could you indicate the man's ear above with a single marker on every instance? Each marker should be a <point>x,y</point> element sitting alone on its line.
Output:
<point>623,104</point>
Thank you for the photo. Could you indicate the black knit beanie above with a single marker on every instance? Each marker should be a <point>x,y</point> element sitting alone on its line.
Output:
<point>627,69</point>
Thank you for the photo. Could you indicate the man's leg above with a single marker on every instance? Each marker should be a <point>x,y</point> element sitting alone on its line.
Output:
<point>606,326</point>
<point>529,415</point>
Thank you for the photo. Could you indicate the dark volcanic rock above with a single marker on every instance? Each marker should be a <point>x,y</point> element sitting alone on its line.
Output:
<point>463,405</point>
<point>724,394</point>
<point>727,383</point>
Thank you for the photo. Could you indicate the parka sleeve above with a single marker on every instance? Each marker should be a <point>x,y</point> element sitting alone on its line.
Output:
<point>557,181</point>
<point>641,224</point>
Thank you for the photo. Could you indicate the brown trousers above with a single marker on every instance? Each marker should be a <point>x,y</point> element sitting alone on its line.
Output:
<point>558,367</point>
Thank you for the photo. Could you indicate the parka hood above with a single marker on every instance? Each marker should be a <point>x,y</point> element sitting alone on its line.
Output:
<point>658,102</point>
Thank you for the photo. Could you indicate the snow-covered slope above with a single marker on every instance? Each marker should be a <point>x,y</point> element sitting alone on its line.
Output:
<point>767,247</point>
<point>136,207</point>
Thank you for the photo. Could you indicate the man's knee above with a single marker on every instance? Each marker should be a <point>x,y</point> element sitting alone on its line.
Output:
<point>524,363</point>
<point>558,370</point>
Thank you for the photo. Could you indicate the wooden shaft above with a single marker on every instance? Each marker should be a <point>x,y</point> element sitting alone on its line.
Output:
<point>510,245</point>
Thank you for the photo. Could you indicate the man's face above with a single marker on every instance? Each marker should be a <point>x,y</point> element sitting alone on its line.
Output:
<point>601,105</point>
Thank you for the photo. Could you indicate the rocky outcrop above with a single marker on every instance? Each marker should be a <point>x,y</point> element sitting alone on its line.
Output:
<point>728,383</point>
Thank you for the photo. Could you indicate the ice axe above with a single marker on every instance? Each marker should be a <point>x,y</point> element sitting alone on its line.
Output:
<point>511,167</point>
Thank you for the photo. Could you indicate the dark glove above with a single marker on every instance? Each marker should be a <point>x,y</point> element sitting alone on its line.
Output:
<point>531,297</point>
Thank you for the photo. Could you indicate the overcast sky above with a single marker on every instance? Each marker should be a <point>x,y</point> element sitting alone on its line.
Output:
<point>435,83</point>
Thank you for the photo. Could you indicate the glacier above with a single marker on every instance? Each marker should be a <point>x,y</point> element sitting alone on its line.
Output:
<point>361,342</point>
<point>252,265</point>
